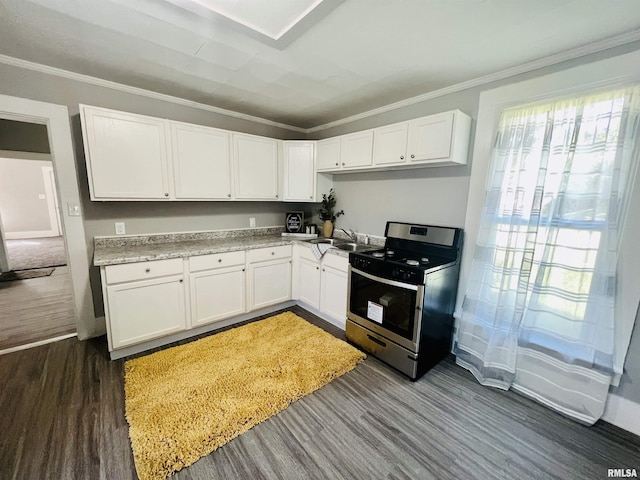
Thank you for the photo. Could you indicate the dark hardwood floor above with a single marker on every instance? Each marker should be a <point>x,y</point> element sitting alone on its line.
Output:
<point>62,417</point>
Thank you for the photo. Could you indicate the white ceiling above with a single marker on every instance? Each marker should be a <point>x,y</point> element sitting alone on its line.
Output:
<point>351,57</point>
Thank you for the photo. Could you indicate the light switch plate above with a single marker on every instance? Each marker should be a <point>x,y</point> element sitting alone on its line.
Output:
<point>120,228</point>
<point>73,210</point>
<point>252,222</point>
<point>42,196</point>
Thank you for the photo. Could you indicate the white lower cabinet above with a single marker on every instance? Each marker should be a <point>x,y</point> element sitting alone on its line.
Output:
<point>148,303</point>
<point>269,276</point>
<point>145,301</point>
<point>218,287</point>
<point>309,282</point>
<point>323,285</point>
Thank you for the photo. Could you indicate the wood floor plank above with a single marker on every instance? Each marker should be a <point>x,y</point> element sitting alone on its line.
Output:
<point>63,417</point>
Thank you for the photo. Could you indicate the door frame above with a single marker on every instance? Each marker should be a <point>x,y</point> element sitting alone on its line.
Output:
<point>56,118</point>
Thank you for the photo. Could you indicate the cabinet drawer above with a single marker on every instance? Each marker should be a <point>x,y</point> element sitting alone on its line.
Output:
<point>334,261</point>
<point>271,253</point>
<point>216,260</point>
<point>143,270</point>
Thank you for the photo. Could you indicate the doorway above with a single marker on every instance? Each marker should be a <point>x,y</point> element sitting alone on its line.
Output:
<point>56,118</point>
<point>36,298</point>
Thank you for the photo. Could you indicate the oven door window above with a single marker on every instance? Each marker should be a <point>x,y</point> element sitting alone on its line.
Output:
<point>391,306</point>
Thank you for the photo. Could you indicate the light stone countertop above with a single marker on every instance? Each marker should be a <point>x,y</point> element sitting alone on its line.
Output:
<point>120,250</point>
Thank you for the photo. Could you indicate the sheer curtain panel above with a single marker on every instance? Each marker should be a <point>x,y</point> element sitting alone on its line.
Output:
<point>538,314</point>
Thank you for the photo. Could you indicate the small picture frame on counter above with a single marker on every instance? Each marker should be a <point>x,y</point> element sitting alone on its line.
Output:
<point>294,222</point>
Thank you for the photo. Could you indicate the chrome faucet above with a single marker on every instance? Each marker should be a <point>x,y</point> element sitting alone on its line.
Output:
<point>353,236</point>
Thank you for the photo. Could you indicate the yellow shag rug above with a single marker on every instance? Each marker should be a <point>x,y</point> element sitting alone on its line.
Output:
<point>184,402</point>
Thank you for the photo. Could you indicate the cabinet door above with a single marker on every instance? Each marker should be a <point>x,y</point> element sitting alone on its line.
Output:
<point>328,154</point>
<point>333,294</point>
<point>299,172</point>
<point>356,149</point>
<point>217,294</point>
<point>126,155</point>
<point>255,167</point>
<point>430,137</point>
<point>141,311</point>
<point>309,283</point>
<point>270,283</point>
<point>201,162</point>
<point>390,144</point>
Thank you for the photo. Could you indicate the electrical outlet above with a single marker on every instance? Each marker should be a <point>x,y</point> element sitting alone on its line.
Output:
<point>252,221</point>
<point>73,209</point>
<point>120,228</point>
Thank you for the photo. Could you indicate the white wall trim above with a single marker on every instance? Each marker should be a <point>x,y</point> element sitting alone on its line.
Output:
<point>622,413</point>
<point>58,72</point>
<point>564,56</point>
<point>33,234</point>
<point>37,344</point>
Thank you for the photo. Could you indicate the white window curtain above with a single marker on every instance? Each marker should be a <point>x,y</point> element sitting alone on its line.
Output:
<point>538,313</point>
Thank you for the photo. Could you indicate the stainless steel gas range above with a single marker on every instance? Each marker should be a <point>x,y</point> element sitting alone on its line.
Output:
<point>402,297</point>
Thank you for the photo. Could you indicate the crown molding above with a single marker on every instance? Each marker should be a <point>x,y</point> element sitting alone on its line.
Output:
<point>58,72</point>
<point>564,56</point>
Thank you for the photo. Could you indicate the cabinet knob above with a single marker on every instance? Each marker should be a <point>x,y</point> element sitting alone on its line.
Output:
<point>343,164</point>
<point>273,253</point>
<point>336,164</point>
<point>147,270</point>
<point>401,157</point>
<point>181,280</point>
<point>413,156</point>
<point>229,195</point>
<point>219,260</point>
<point>317,268</point>
<point>166,194</point>
<point>276,196</point>
<point>243,269</point>
<point>311,197</point>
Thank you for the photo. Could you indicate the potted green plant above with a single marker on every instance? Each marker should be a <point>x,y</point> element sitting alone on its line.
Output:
<point>327,212</point>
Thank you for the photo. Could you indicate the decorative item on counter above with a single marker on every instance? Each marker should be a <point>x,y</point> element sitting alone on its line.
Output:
<point>327,214</point>
<point>294,222</point>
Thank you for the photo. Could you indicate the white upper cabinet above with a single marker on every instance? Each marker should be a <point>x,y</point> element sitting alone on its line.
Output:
<point>439,139</point>
<point>255,162</point>
<point>201,162</point>
<point>390,144</point>
<point>299,171</point>
<point>328,154</point>
<point>356,149</point>
<point>127,155</point>
<point>430,137</point>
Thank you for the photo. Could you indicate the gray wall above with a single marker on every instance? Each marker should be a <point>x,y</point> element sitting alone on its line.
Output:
<point>21,182</point>
<point>23,137</point>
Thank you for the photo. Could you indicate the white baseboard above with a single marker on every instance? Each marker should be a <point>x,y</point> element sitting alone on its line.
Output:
<point>36,344</point>
<point>622,413</point>
<point>34,234</point>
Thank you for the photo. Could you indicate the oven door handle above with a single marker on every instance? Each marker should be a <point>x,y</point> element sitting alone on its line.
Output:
<point>393,283</point>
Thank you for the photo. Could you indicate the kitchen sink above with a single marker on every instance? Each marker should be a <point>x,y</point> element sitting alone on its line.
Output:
<point>329,241</point>
<point>352,247</point>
